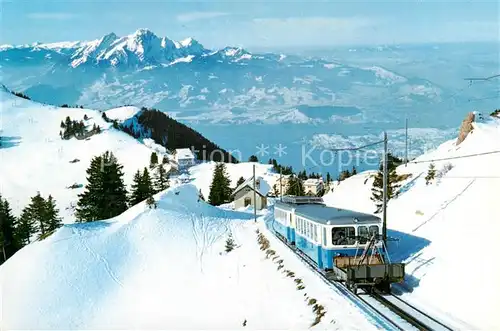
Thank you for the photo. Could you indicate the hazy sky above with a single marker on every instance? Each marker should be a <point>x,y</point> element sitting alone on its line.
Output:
<point>254,24</point>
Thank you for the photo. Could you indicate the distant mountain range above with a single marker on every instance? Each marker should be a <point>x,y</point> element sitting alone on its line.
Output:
<point>229,85</point>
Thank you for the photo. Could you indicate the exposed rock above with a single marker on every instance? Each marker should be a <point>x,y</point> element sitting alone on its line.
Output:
<point>465,128</point>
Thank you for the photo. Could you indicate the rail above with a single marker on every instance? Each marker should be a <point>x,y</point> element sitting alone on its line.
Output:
<point>410,315</point>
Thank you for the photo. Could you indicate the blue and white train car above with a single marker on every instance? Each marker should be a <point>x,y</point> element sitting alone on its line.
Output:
<point>334,238</point>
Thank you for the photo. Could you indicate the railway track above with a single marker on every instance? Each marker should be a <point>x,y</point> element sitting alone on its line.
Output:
<point>387,310</point>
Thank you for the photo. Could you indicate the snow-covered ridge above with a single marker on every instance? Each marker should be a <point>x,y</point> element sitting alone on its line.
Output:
<point>141,47</point>
<point>458,213</point>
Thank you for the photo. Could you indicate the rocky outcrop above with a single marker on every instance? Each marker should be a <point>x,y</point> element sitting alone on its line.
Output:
<point>465,128</point>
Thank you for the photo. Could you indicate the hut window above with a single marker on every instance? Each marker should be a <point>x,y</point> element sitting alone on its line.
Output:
<point>343,236</point>
<point>248,201</point>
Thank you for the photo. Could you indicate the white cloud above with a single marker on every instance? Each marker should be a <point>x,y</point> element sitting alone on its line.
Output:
<point>50,16</point>
<point>194,16</point>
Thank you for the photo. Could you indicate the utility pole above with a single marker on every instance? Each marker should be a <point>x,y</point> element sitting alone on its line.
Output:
<point>406,142</point>
<point>281,186</point>
<point>384,198</point>
<point>254,197</point>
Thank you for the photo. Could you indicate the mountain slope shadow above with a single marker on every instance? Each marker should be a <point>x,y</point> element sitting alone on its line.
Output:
<point>8,142</point>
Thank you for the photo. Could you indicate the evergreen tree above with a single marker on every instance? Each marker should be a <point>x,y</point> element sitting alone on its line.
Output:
<point>147,183</point>
<point>253,158</point>
<point>105,117</point>
<point>135,192</point>
<point>8,243</point>
<point>230,244</point>
<point>63,126</point>
<point>295,187</point>
<point>240,181</point>
<point>164,160</point>
<point>85,117</point>
<point>26,226</point>
<point>378,183</point>
<point>38,212</point>
<point>142,187</point>
<point>105,195</point>
<point>220,190</point>
<point>161,180</point>
<point>354,171</point>
<point>328,178</point>
<point>431,174</point>
<point>53,221</point>
<point>153,161</point>
<point>344,174</point>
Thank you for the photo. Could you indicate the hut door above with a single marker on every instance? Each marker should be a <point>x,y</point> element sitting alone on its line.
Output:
<point>248,201</point>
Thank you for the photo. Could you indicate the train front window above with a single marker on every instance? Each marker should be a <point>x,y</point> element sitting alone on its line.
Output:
<point>363,234</point>
<point>343,236</point>
<point>373,229</point>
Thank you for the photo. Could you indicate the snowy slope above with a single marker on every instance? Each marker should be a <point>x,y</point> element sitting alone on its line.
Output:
<point>34,157</point>
<point>460,216</point>
<point>163,269</point>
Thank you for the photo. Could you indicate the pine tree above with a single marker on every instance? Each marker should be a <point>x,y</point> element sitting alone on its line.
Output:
<point>328,178</point>
<point>161,180</point>
<point>354,171</point>
<point>431,174</point>
<point>295,187</point>
<point>105,195</point>
<point>53,221</point>
<point>105,117</point>
<point>220,190</point>
<point>240,181</point>
<point>26,226</point>
<point>147,183</point>
<point>8,243</point>
<point>378,184</point>
<point>153,161</point>
<point>230,244</point>
<point>142,187</point>
<point>253,158</point>
<point>135,193</point>
<point>85,117</point>
<point>38,213</point>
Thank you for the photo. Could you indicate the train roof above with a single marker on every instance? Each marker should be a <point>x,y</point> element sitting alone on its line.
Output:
<point>329,215</point>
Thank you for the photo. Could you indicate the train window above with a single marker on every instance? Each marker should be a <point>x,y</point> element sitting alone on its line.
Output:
<point>324,236</point>
<point>373,229</point>
<point>363,234</point>
<point>316,233</point>
<point>344,236</point>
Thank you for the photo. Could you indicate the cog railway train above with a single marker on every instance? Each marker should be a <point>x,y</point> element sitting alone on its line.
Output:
<point>345,245</point>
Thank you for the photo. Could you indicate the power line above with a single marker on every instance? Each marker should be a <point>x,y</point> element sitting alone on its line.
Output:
<point>456,157</point>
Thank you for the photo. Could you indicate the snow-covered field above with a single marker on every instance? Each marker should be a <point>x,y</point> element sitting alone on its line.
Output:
<point>163,269</point>
<point>167,269</point>
<point>35,158</point>
<point>455,275</point>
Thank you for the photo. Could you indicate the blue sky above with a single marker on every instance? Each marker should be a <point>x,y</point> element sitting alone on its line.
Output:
<point>254,24</point>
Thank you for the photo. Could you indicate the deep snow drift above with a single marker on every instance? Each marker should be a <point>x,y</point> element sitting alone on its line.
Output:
<point>163,268</point>
<point>459,214</point>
